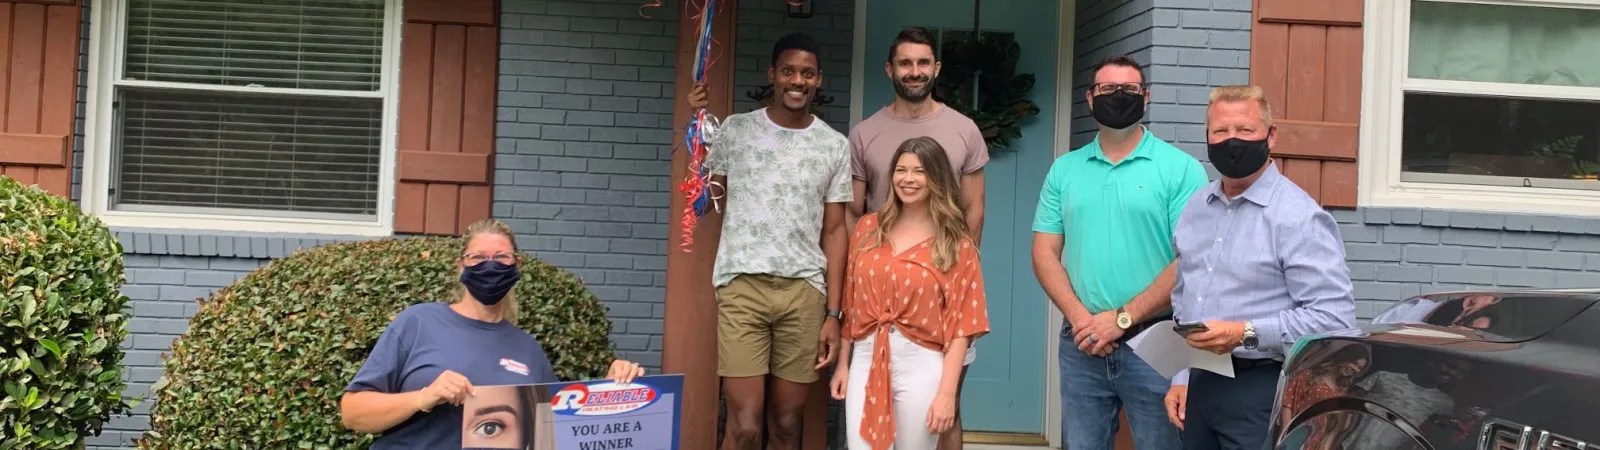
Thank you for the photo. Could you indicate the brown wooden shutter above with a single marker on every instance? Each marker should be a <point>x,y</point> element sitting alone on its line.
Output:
<point>1307,56</point>
<point>38,92</point>
<point>449,70</point>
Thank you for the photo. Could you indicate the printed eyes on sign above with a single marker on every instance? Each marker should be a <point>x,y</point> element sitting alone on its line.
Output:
<point>489,429</point>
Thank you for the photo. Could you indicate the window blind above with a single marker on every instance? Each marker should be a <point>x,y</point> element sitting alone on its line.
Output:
<point>225,150</point>
<point>304,44</point>
<point>266,153</point>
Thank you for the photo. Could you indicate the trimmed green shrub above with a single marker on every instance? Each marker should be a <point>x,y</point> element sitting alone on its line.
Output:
<point>264,361</point>
<point>61,321</point>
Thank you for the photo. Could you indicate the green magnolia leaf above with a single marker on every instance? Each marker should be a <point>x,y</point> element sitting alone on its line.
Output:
<point>60,281</point>
<point>51,346</point>
<point>29,307</point>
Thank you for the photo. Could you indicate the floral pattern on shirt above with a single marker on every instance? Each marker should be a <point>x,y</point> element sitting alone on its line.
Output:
<point>908,292</point>
<point>778,180</point>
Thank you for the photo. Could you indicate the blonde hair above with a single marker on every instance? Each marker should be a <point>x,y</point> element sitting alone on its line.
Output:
<point>490,226</point>
<point>943,202</point>
<point>1245,93</point>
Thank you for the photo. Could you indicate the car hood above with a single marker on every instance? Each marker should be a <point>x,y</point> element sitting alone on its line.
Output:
<point>1504,317</point>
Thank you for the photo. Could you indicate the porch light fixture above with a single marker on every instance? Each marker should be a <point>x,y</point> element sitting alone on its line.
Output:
<point>800,9</point>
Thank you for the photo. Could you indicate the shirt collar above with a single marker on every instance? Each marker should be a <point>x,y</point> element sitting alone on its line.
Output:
<point>1259,192</point>
<point>1139,151</point>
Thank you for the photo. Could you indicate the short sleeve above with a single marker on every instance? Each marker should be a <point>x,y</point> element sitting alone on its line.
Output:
<point>1047,215</point>
<point>381,371</point>
<point>841,186</point>
<point>977,151</point>
<point>1193,178</point>
<point>966,310</point>
<point>858,155</point>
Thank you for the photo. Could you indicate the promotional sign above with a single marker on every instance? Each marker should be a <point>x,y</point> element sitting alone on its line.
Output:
<point>583,415</point>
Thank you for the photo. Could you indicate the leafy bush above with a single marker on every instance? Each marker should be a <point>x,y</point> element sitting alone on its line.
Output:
<point>61,321</point>
<point>265,360</point>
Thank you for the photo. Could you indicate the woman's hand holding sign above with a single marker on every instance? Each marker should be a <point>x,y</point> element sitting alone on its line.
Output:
<point>623,372</point>
<point>449,387</point>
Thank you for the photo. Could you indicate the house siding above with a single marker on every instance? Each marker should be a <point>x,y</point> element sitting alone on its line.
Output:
<point>582,173</point>
<point>832,24</point>
<point>1188,48</point>
<point>162,292</point>
<point>1103,28</point>
<point>1395,253</point>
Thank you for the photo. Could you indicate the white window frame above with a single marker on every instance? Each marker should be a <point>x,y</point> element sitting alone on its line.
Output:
<point>1386,44</point>
<point>106,30</point>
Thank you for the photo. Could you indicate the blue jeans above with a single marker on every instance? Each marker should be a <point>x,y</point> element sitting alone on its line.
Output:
<point>1092,389</point>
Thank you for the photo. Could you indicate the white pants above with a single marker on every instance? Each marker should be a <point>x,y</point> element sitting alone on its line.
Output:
<point>914,373</point>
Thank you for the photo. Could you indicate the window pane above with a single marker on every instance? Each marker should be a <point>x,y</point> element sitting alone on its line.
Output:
<point>1520,138</point>
<point>280,153</point>
<point>307,44</point>
<point>1505,44</point>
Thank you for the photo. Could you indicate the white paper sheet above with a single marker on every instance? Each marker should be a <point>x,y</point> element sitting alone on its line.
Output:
<point>1167,352</point>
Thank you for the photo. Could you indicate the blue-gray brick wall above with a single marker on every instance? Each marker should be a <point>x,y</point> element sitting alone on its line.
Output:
<point>1103,28</point>
<point>166,273</point>
<point>1196,45</point>
<point>762,22</point>
<point>1188,48</point>
<point>582,173</point>
<point>1395,253</point>
<point>163,290</point>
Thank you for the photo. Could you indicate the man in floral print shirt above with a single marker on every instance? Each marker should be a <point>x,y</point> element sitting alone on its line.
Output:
<point>780,265</point>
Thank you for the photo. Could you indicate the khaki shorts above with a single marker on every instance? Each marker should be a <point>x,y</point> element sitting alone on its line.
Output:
<point>769,325</point>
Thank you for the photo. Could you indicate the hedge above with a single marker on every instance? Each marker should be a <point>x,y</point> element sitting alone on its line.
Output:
<point>61,321</point>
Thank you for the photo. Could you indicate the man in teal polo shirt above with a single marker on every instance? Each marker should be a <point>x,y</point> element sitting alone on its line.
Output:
<point>1102,249</point>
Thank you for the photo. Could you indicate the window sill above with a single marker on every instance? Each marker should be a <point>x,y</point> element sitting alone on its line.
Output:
<point>1487,199</point>
<point>242,224</point>
<point>154,241</point>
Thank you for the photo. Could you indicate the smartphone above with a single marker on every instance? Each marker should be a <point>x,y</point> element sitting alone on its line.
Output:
<point>1185,329</point>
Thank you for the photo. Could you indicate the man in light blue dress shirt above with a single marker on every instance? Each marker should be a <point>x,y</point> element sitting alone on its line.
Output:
<point>1261,264</point>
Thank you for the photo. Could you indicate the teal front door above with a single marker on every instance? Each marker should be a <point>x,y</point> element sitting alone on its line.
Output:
<point>1005,389</point>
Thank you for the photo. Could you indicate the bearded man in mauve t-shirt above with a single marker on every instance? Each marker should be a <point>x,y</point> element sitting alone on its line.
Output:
<point>913,67</point>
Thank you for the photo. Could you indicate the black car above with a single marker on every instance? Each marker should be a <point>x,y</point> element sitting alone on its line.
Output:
<point>1483,370</point>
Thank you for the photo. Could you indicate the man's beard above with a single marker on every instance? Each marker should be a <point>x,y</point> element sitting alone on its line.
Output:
<point>914,96</point>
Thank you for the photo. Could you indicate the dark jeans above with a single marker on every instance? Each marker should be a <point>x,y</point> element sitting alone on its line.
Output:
<point>1092,388</point>
<point>1230,413</point>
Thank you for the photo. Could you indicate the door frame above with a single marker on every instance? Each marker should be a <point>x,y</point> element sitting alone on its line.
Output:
<point>1065,53</point>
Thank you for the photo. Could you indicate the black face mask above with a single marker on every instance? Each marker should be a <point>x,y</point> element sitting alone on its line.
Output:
<point>1237,158</point>
<point>1118,110</point>
<point>489,281</point>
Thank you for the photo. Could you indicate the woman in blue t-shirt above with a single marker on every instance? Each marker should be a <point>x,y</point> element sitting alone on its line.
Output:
<point>427,356</point>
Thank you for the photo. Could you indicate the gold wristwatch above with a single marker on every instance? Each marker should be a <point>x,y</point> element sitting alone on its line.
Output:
<point>1124,320</point>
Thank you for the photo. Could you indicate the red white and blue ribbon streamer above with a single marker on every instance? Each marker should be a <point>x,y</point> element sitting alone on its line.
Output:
<point>698,137</point>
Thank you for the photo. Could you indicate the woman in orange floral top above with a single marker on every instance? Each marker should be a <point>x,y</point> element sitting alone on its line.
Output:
<point>913,304</point>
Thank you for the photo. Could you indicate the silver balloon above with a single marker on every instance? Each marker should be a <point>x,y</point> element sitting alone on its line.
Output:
<point>708,129</point>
